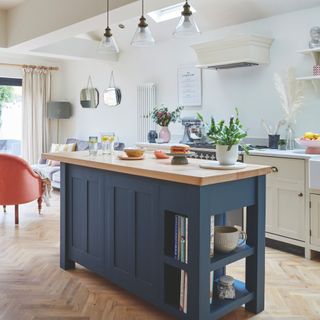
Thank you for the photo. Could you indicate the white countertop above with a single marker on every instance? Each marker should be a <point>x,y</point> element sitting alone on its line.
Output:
<point>295,154</point>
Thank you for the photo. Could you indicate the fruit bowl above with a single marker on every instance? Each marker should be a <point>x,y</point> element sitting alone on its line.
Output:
<point>313,146</point>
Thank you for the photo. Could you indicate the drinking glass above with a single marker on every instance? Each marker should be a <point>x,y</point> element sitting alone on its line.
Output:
<point>107,142</point>
<point>93,146</point>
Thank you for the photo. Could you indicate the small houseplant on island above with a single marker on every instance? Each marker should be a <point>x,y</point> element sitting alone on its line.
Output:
<point>163,117</point>
<point>227,137</point>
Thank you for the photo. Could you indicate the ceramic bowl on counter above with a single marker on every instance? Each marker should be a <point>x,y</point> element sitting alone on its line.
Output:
<point>313,146</point>
<point>134,152</point>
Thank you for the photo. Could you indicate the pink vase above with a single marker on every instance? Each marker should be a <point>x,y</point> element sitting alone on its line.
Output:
<point>165,134</point>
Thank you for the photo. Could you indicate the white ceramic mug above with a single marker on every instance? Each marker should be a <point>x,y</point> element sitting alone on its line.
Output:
<point>226,238</point>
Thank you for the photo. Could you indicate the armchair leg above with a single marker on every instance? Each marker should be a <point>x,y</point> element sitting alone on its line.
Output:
<point>40,204</point>
<point>16,214</point>
<point>5,209</point>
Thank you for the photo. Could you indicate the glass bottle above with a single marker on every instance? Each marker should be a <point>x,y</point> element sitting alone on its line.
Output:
<point>290,139</point>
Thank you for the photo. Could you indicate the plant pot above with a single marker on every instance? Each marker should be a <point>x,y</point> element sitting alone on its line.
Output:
<point>274,141</point>
<point>165,134</point>
<point>226,157</point>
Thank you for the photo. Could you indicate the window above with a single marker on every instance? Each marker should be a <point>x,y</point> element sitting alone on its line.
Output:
<point>10,115</point>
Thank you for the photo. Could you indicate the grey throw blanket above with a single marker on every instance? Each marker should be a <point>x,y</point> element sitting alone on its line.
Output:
<point>47,186</point>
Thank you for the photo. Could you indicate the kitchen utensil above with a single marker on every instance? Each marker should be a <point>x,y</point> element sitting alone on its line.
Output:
<point>226,238</point>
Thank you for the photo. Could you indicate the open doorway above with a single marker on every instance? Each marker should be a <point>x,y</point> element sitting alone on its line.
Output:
<point>10,115</point>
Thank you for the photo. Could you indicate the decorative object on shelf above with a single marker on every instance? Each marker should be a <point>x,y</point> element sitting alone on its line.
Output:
<point>227,138</point>
<point>291,96</point>
<point>107,142</point>
<point>152,136</point>
<point>112,96</point>
<point>187,26</point>
<point>143,36</point>
<point>190,86</point>
<point>315,38</point>
<point>89,97</point>
<point>274,141</point>
<point>58,110</point>
<point>227,239</point>
<point>316,70</point>
<point>225,288</point>
<point>108,44</point>
<point>93,146</point>
<point>163,117</point>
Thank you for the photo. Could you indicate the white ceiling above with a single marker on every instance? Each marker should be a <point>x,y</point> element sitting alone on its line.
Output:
<point>210,15</point>
<point>9,4</point>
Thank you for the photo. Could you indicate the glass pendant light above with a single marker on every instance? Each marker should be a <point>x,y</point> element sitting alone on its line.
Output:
<point>108,43</point>
<point>143,36</point>
<point>187,26</point>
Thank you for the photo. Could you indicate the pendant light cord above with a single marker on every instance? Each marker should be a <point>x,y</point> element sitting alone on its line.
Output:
<point>143,8</point>
<point>108,9</point>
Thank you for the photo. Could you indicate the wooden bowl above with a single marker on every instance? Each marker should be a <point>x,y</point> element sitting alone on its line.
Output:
<point>134,152</point>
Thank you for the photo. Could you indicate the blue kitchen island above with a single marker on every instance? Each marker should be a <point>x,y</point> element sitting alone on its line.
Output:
<point>118,219</point>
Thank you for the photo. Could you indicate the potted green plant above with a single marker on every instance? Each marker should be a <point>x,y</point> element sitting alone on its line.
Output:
<point>163,117</point>
<point>227,137</point>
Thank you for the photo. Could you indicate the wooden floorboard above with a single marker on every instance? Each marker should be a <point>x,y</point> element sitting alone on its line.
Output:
<point>33,287</point>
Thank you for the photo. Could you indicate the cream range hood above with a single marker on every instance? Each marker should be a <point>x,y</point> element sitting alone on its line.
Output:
<point>234,52</point>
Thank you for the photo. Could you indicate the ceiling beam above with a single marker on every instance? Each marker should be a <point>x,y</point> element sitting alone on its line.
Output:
<point>33,19</point>
<point>3,29</point>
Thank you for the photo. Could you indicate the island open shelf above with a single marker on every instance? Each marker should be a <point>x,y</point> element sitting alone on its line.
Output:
<point>117,219</point>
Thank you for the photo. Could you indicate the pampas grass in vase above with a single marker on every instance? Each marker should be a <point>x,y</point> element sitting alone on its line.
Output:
<point>291,96</point>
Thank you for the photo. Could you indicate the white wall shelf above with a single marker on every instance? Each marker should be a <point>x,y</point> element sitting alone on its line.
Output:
<point>309,78</point>
<point>315,53</point>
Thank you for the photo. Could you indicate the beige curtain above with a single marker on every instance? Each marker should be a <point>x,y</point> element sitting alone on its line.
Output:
<point>35,127</point>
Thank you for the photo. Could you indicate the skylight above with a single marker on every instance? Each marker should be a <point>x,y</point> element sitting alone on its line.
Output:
<point>168,13</point>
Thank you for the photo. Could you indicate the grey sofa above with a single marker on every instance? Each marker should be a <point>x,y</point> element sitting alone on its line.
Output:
<point>53,172</point>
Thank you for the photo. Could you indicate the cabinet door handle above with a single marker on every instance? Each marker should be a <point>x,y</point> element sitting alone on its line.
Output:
<point>274,169</point>
<point>300,195</point>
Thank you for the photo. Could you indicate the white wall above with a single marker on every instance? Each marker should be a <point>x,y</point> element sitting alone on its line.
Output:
<point>249,89</point>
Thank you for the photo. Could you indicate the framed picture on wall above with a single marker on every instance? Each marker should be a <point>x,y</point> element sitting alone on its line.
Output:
<point>190,86</point>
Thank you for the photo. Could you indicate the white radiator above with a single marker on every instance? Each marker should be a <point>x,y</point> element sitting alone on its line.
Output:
<point>146,102</point>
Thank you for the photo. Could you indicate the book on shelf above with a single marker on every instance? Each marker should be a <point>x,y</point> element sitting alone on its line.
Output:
<point>183,291</point>
<point>212,236</point>
<point>181,238</point>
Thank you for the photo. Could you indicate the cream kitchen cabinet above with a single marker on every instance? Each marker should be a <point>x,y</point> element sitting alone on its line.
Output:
<point>286,198</point>
<point>315,219</point>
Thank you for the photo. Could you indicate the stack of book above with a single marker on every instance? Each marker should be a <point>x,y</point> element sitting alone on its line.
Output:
<point>181,238</point>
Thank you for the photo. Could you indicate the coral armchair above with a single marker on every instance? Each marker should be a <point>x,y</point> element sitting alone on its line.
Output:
<point>18,183</point>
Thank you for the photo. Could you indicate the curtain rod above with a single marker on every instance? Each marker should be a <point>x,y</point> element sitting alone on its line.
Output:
<point>29,66</point>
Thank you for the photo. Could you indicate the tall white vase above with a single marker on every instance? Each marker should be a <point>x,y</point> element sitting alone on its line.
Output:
<point>226,157</point>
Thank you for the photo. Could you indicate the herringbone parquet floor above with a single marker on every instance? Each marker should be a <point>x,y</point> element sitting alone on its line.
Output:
<point>33,287</point>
